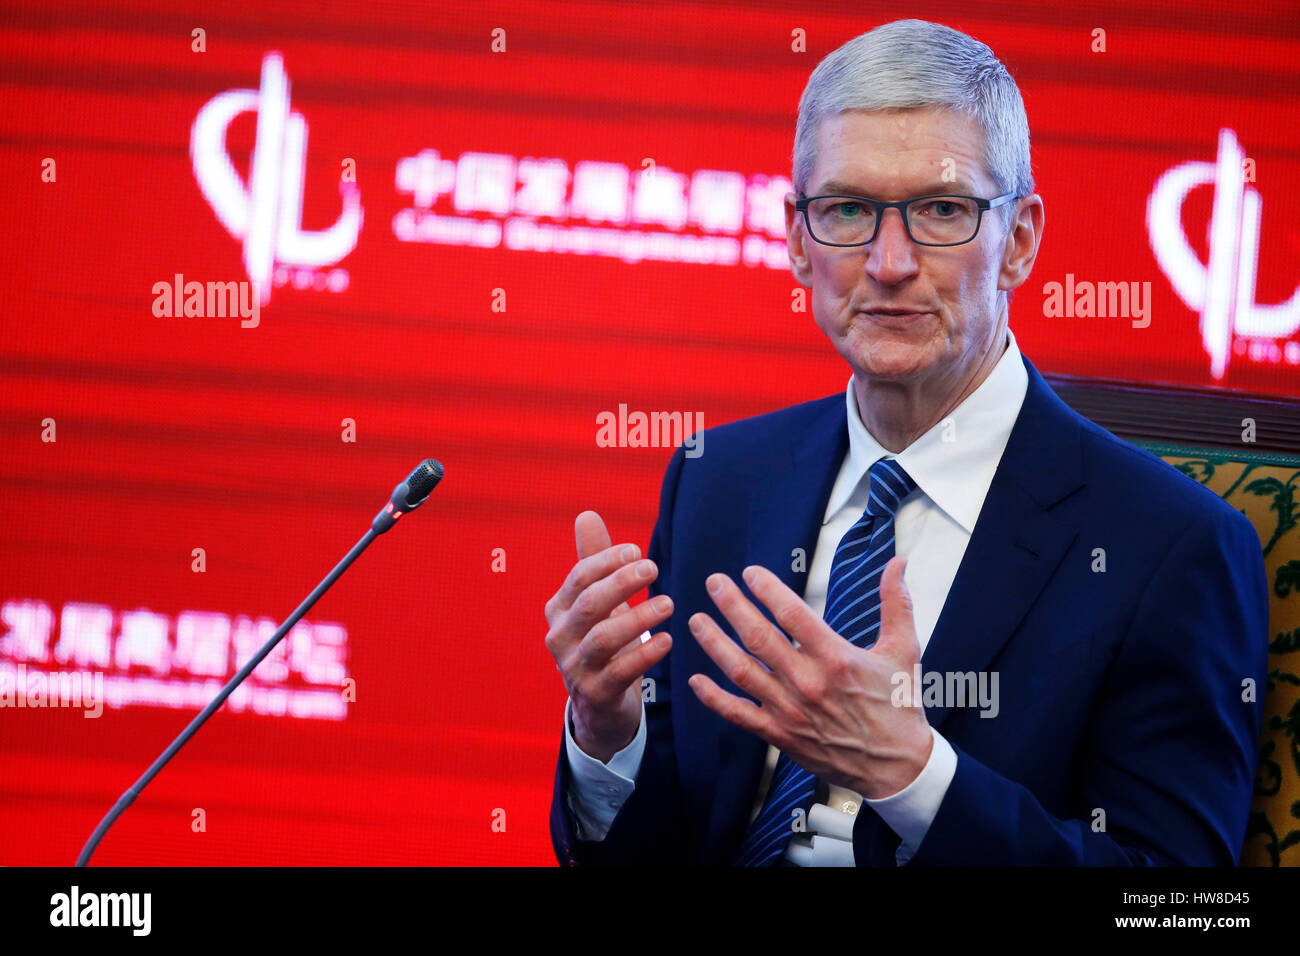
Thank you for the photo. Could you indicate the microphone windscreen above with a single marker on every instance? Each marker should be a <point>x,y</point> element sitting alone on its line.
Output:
<point>423,480</point>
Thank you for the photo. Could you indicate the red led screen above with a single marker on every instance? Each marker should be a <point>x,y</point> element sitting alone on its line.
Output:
<point>465,232</point>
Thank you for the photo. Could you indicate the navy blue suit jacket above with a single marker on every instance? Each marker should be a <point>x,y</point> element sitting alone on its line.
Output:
<point>1122,737</point>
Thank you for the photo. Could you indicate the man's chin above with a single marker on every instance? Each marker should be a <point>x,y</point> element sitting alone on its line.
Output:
<point>892,364</point>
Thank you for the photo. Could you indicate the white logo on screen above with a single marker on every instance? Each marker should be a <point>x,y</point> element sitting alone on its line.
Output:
<point>1223,289</point>
<point>266,212</point>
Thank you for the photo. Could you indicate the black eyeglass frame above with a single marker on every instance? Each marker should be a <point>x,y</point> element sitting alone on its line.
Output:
<point>984,205</point>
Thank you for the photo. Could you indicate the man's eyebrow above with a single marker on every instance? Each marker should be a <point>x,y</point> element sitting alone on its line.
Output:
<point>837,188</point>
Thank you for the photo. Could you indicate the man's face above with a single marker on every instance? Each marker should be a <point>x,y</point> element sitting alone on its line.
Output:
<point>894,310</point>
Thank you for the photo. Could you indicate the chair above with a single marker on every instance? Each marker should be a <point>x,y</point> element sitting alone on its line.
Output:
<point>1247,450</point>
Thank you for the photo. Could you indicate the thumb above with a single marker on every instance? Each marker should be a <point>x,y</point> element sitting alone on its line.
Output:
<point>592,538</point>
<point>897,639</point>
<point>591,534</point>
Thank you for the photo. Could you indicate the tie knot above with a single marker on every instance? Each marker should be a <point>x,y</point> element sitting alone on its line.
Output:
<point>890,484</point>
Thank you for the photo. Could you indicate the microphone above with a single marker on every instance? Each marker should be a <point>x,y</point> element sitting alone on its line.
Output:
<point>407,496</point>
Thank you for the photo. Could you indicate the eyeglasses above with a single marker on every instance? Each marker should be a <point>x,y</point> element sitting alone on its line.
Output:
<point>939,220</point>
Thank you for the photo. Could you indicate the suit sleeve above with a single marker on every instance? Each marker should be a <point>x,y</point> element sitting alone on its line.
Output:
<point>1166,770</point>
<point>597,790</point>
<point>649,828</point>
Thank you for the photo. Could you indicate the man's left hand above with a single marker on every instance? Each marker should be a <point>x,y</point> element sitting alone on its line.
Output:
<point>837,710</point>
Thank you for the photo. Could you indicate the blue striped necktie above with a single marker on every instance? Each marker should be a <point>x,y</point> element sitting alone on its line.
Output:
<point>853,612</point>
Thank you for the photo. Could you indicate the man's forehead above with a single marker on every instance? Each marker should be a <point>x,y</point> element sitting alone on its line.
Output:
<point>921,120</point>
<point>859,151</point>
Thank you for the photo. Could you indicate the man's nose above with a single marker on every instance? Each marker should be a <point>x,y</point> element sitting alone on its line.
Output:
<point>891,256</point>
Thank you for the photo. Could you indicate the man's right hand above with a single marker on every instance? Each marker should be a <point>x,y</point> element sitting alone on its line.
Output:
<point>594,638</point>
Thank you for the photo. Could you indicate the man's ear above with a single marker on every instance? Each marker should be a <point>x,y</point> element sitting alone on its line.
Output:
<point>1023,240</point>
<point>795,243</point>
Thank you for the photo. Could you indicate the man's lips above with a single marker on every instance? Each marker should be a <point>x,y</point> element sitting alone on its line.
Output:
<point>895,318</point>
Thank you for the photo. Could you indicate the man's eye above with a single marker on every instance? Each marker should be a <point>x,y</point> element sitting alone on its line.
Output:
<point>942,209</point>
<point>847,210</point>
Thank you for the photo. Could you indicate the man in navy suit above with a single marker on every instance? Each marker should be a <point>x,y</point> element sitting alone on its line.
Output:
<point>980,629</point>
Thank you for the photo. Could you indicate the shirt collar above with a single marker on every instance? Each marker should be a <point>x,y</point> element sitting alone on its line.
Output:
<point>954,462</point>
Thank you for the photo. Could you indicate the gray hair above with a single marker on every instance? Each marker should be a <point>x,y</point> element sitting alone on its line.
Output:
<point>913,64</point>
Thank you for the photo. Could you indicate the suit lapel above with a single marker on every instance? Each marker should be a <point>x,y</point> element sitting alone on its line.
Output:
<point>789,501</point>
<point>1017,542</point>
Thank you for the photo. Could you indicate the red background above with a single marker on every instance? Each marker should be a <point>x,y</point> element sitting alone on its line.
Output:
<point>178,433</point>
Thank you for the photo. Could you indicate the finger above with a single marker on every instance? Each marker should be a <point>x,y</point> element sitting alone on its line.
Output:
<point>755,631</point>
<point>791,613</point>
<point>591,534</point>
<point>609,684</point>
<point>744,670</point>
<point>611,635</point>
<point>743,713</point>
<point>598,600</point>
<point>897,639</point>
<point>630,665</point>
<point>587,572</point>
<point>592,537</point>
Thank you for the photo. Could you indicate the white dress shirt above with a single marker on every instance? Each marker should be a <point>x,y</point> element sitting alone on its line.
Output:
<point>953,465</point>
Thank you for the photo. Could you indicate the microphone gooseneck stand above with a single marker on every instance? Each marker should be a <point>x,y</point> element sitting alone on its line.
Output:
<point>407,496</point>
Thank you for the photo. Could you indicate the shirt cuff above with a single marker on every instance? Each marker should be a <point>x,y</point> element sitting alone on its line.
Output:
<point>597,791</point>
<point>910,812</point>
